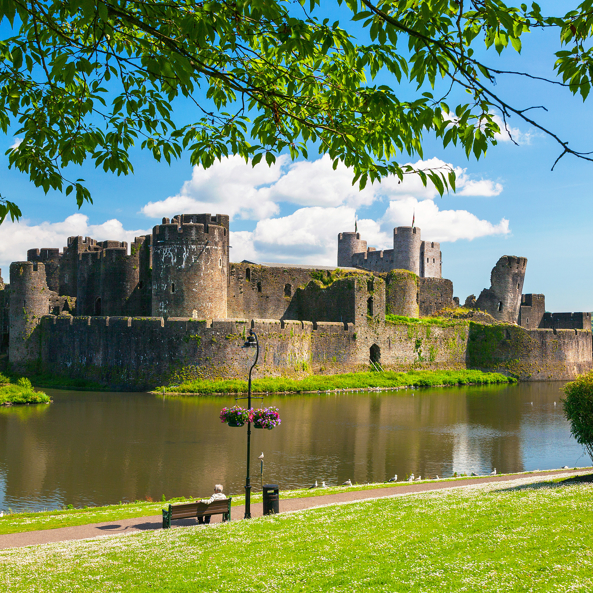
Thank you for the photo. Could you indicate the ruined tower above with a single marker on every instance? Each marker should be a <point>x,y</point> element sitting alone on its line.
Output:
<point>51,260</point>
<point>503,299</point>
<point>348,245</point>
<point>406,249</point>
<point>190,256</point>
<point>29,301</point>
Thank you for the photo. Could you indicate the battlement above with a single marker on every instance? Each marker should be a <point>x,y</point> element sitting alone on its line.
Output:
<point>407,230</point>
<point>43,255</point>
<point>113,245</point>
<point>185,232</point>
<point>80,241</point>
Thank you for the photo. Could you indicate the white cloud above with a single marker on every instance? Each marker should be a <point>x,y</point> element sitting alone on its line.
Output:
<point>441,225</point>
<point>17,142</point>
<point>508,133</point>
<point>309,235</point>
<point>230,186</point>
<point>17,237</point>
<point>234,187</point>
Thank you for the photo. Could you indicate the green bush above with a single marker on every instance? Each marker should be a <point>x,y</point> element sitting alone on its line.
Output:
<point>578,408</point>
<point>24,383</point>
<point>4,380</point>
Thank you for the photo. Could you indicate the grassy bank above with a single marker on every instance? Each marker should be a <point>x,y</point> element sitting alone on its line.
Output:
<point>20,392</point>
<point>370,380</point>
<point>529,535</point>
<point>70,517</point>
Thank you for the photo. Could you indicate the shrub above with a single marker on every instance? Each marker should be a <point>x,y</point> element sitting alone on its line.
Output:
<point>24,383</point>
<point>4,380</point>
<point>578,409</point>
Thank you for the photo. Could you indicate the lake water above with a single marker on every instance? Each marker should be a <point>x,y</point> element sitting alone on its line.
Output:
<point>100,448</point>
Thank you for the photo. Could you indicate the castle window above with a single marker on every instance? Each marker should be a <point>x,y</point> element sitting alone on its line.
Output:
<point>287,290</point>
<point>98,306</point>
<point>248,275</point>
<point>259,287</point>
<point>220,263</point>
<point>172,287</point>
<point>370,286</point>
<point>433,260</point>
<point>427,259</point>
<point>518,287</point>
<point>370,306</point>
<point>500,305</point>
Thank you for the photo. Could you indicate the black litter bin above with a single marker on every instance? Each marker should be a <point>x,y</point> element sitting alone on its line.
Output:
<point>271,499</point>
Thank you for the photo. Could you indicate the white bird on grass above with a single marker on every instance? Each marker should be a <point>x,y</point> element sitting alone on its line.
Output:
<point>493,472</point>
<point>418,478</point>
<point>474,474</point>
<point>347,483</point>
<point>437,477</point>
<point>314,485</point>
<point>411,478</point>
<point>394,479</point>
<point>565,467</point>
<point>323,485</point>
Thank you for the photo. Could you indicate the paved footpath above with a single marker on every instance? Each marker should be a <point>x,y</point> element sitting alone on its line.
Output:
<point>30,538</point>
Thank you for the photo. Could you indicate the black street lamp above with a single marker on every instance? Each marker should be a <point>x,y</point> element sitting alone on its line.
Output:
<point>251,342</point>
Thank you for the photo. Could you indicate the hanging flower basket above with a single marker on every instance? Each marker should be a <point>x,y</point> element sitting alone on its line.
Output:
<point>235,416</point>
<point>265,418</point>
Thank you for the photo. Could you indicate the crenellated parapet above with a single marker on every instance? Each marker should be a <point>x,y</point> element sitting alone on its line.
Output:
<point>190,267</point>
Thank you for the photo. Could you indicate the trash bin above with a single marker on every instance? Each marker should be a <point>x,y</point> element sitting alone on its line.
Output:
<point>271,499</point>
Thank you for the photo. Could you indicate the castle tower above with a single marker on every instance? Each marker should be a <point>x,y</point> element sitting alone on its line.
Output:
<point>503,299</point>
<point>120,275</point>
<point>431,260</point>
<point>29,301</point>
<point>51,259</point>
<point>190,267</point>
<point>69,263</point>
<point>406,249</point>
<point>348,245</point>
<point>88,284</point>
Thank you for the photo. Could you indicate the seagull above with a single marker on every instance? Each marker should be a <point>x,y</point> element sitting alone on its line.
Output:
<point>314,485</point>
<point>411,478</point>
<point>323,485</point>
<point>261,457</point>
<point>474,474</point>
<point>493,472</point>
<point>394,479</point>
<point>565,467</point>
<point>554,403</point>
<point>437,477</point>
<point>418,478</point>
<point>347,483</point>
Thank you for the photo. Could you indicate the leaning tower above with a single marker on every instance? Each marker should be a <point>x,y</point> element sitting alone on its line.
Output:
<point>406,249</point>
<point>190,267</point>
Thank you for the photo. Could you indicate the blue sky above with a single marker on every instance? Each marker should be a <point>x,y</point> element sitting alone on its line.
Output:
<point>509,203</point>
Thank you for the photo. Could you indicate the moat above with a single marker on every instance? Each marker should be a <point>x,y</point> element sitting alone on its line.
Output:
<point>102,448</point>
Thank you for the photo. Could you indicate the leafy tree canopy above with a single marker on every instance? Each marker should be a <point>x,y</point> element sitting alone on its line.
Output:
<point>89,79</point>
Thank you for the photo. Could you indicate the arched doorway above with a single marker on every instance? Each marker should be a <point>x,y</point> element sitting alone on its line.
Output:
<point>375,354</point>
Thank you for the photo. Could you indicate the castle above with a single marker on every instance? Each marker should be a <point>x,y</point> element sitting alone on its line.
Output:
<point>173,307</point>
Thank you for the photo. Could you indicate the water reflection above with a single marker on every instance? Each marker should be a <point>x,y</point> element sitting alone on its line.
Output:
<point>99,448</point>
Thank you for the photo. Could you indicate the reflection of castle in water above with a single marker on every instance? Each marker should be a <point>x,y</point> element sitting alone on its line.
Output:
<point>141,446</point>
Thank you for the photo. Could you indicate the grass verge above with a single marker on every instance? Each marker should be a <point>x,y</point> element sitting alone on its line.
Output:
<point>71,517</point>
<point>19,393</point>
<point>369,380</point>
<point>529,535</point>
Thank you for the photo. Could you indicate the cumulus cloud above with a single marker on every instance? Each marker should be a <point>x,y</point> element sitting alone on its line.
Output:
<point>17,142</point>
<point>17,237</point>
<point>508,133</point>
<point>234,187</point>
<point>309,235</point>
<point>441,225</point>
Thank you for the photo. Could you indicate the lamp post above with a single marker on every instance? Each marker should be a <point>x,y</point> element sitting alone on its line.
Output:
<point>251,342</point>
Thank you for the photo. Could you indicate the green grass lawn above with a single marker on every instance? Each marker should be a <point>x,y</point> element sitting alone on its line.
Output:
<point>384,380</point>
<point>519,536</point>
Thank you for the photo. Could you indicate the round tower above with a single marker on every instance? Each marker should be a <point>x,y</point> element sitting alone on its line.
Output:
<point>190,268</point>
<point>120,274</point>
<point>401,293</point>
<point>406,249</point>
<point>29,301</point>
<point>348,245</point>
<point>51,260</point>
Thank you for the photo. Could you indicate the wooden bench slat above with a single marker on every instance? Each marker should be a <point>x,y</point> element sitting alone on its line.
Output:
<point>197,509</point>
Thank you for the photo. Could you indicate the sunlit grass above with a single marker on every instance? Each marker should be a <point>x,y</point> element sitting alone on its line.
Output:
<point>370,380</point>
<point>519,536</point>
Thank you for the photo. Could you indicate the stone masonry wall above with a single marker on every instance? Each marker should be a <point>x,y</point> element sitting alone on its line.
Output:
<point>434,294</point>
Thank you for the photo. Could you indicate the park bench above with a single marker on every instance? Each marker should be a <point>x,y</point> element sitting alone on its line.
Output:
<point>197,509</point>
